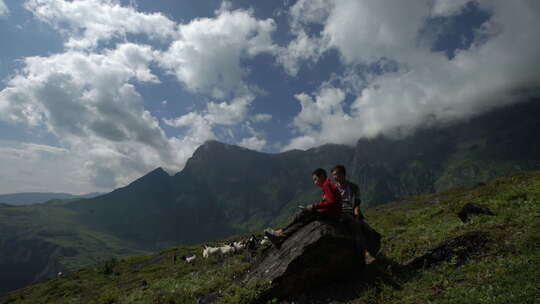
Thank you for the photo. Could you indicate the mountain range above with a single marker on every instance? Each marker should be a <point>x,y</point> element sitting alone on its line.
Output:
<point>29,198</point>
<point>225,190</point>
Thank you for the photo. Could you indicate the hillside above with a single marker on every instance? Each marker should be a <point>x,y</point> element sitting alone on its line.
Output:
<point>505,269</point>
<point>38,241</point>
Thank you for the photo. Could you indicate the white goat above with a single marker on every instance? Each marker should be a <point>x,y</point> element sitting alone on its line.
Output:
<point>227,249</point>
<point>189,259</point>
<point>265,241</point>
<point>210,251</point>
<point>238,246</point>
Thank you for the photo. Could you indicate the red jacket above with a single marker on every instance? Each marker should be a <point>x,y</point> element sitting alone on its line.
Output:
<point>331,199</point>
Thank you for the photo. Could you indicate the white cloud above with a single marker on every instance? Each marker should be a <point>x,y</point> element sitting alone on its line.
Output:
<point>365,31</point>
<point>362,31</point>
<point>89,102</point>
<point>201,125</point>
<point>261,118</point>
<point>253,143</point>
<point>26,164</point>
<point>302,49</point>
<point>224,7</point>
<point>427,86</point>
<point>321,119</point>
<point>229,113</point>
<point>447,8</point>
<point>305,47</point>
<point>4,10</point>
<point>313,11</point>
<point>86,23</point>
<point>200,129</point>
<point>206,56</point>
<point>223,113</point>
<point>315,112</point>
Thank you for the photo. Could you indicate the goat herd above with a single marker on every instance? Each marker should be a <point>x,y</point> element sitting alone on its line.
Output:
<point>252,243</point>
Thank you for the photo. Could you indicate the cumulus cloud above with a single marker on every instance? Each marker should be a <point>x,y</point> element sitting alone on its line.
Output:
<point>223,113</point>
<point>256,140</point>
<point>200,128</point>
<point>423,85</point>
<point>89,102</point>
<point>302,49</point>
<point>305,47</point>
<point>86,23</point>
<point>200,125</point>
<point>261,118</point>
<point>362,31</point>
<point>253,143</point>
<point>207,56</point>
<point>320,119</point>
<point>4,10</point>
<point>229,113</point>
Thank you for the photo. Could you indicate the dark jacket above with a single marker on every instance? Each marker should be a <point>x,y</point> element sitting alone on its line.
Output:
<point>354,197</point>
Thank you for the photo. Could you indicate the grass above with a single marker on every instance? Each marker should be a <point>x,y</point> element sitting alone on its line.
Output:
<point>58,227</point>
<point>505,270</point>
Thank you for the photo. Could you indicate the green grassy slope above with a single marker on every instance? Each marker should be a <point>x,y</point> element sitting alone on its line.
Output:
<point>44,239</point>
<point>505,270</point>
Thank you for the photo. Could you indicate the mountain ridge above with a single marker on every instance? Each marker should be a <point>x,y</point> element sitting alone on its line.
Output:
<point>28,198</point>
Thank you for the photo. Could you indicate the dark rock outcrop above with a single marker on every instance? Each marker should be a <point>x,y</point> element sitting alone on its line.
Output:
<point>462,248</point>
<point>319,252</point>
<point>470,209</point>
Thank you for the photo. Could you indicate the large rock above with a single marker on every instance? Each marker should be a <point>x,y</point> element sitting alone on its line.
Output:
<point>317,253</point>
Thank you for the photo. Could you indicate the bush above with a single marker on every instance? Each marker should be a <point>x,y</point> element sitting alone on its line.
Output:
<point>108,266</point>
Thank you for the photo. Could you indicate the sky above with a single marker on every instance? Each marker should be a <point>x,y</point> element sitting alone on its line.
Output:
<point>96,93</point>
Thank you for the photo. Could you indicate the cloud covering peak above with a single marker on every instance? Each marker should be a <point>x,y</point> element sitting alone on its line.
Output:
<point>424,85</point>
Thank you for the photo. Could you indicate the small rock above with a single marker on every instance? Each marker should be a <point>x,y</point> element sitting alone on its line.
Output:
<point>461,247</point>
<point>473,209</point>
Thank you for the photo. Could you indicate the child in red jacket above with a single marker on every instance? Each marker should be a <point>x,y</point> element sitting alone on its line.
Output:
<point>328,208</point>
